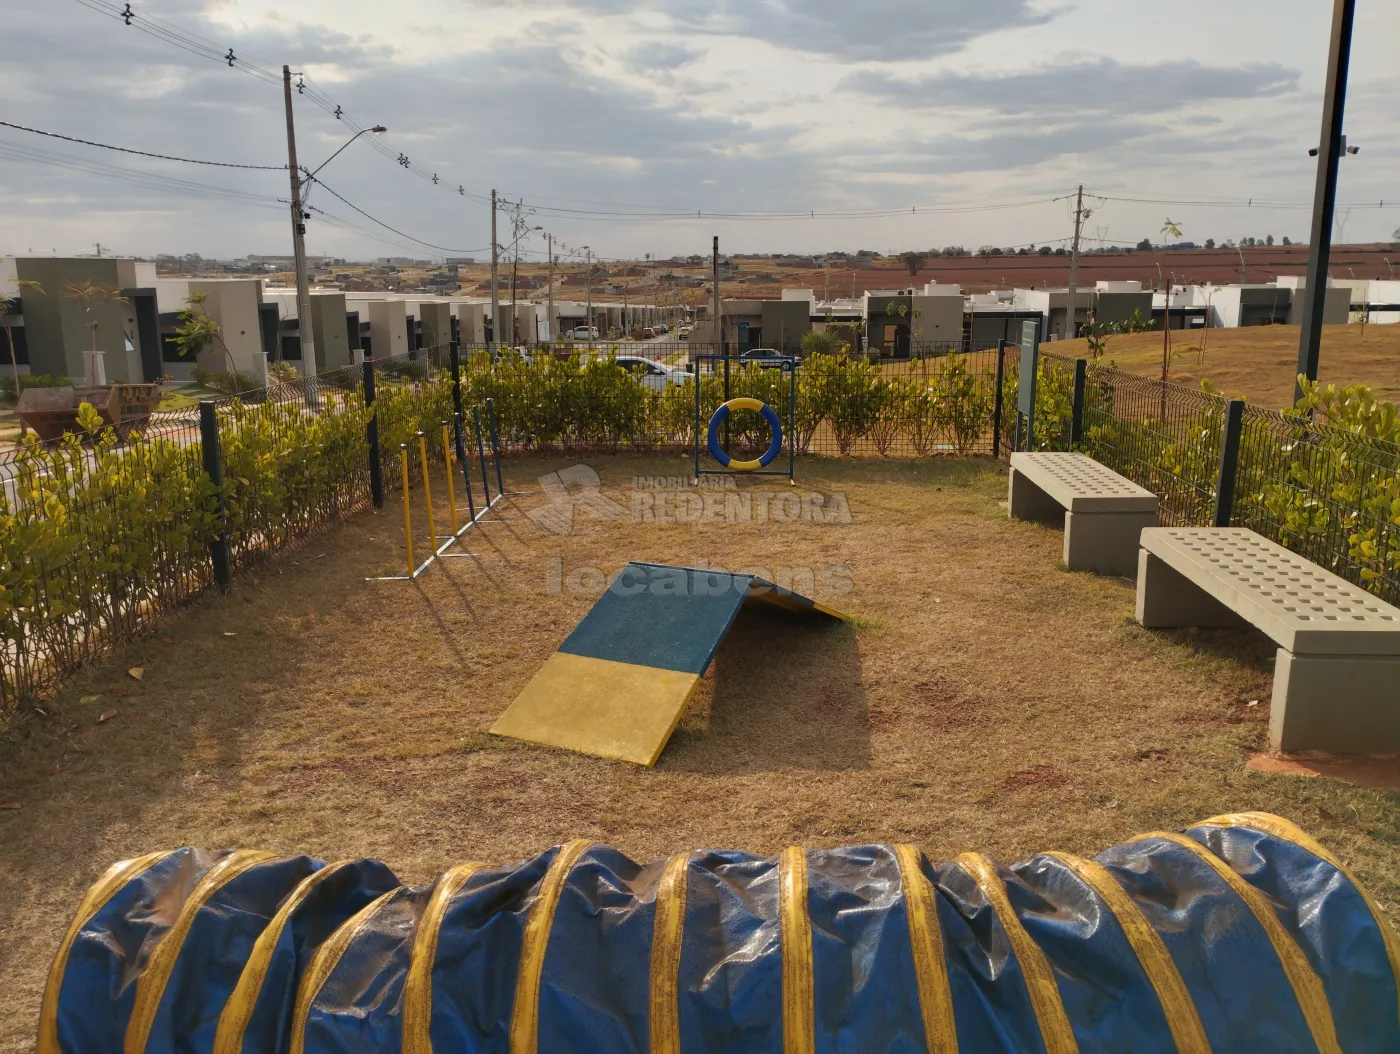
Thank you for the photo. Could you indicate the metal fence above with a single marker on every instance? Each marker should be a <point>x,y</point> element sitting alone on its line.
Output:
<point>1328,493</point>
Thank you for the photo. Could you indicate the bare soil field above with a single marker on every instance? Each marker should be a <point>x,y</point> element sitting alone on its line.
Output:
<point>982,698</point>
<point>1259,363</point>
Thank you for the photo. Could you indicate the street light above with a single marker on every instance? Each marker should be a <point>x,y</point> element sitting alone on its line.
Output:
<point>378,129</point>
<point>299,218</point>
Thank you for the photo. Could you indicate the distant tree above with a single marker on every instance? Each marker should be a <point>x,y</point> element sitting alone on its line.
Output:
<point>985,251</point>
<point>8,305</point>
<point>997,252</point>
<point>1044,250</point>
<point>1061,251</point>
<point>1268,239</point>
<point>1170,229</point>
<point>1146,243</point>
<point>913,261</point>
<point>92,297</point>
<point>1286,240</point>
<point>1210,243</point>
<point>1023,251</point>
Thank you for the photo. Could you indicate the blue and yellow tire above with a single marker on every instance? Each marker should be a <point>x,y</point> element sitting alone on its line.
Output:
<point>775,425</point>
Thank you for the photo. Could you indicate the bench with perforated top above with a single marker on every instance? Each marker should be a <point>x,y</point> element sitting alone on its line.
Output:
<point>1103,513</point>
<point>1337,672</point>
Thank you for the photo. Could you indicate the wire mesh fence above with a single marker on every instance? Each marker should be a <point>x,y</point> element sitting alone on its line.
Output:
<point>1330,494</point>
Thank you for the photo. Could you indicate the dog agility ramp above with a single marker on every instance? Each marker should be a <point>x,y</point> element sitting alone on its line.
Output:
<point>618,685</point>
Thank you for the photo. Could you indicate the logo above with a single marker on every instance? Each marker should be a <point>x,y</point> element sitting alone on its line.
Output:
<point>574,488</point>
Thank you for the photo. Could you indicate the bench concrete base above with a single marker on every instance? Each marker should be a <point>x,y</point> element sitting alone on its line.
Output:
<point>1103,542</point>
<point>1167,599</point>
<point>1345,704</point>
<point>1340,703</point>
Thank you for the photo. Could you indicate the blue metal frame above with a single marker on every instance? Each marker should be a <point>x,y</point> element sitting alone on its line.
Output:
<point>788,365</point>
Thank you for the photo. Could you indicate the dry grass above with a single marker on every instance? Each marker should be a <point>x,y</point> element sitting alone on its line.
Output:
<point>1260,362</point>
<point>983,699</point>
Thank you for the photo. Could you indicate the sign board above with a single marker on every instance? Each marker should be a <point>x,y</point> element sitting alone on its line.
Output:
<point>1025,387</point>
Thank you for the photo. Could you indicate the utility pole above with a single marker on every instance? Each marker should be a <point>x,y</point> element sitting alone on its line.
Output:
<point>307,338</point>
<point>826,267</point>
<point>495,292</point>
<point>1079,216</point>
<point>1329,152</point>
<point>549,316</point>
<point>588,280</point>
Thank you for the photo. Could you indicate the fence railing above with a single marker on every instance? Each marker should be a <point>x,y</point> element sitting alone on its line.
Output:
<point>1328,493</point>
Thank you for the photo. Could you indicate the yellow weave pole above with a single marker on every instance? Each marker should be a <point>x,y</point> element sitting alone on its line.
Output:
<point>427,489</point>
<point>407,513</point>
<point>451,491</point>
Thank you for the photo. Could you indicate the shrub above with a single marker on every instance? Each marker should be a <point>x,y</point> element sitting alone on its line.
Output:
<point>9,396</point>
<point>227,383</point>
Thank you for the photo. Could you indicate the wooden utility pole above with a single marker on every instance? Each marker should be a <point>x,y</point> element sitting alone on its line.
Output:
<point>304,329</point>
<point>1071,311</point>
<point>550,311</point>
<point>1329,152</point>
<point>588,279</point>
<point>495,292</point>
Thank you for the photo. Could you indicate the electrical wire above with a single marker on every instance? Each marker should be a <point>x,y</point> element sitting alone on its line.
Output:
<point>141,153</point>
<point>133,177</point>
<point>395,230</point>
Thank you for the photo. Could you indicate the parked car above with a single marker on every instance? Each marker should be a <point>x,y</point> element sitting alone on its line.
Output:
<point>683,333</point>
<point>651,373</point>
<point>648,333</point>
<point>662,327</point>
<point>763,357</point>
<point>585,333</point>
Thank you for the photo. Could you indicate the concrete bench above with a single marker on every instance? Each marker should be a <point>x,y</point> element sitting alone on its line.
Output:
<point>1103,512</point>
<point>1337,673</point>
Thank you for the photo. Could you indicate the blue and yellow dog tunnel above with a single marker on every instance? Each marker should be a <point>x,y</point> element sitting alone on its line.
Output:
<point>1241,935</point>
<point>775,426</point>
<point>620,681</point>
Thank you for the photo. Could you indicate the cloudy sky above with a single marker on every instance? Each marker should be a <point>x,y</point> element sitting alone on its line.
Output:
<point>944,115</point>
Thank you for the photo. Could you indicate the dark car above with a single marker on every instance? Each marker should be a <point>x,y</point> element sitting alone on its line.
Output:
<point>766,357</point>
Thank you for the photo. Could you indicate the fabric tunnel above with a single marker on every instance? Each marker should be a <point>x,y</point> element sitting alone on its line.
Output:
<point>1241,934</point>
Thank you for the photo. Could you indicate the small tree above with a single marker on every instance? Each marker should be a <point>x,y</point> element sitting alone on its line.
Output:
<point>913,261</point>
<point>92,297</point>
<point>198,331</point>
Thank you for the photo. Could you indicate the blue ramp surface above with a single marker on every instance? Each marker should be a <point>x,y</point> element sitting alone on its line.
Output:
<point>620,681</point>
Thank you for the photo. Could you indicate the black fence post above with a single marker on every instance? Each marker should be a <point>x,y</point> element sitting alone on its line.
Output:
<point>1229,463</point>
<point>376,466</point>
<point>495,445</point>
<point>1076,417</point>
<point>997,400</point>
<point>454,352</point>
<point>214,467</point>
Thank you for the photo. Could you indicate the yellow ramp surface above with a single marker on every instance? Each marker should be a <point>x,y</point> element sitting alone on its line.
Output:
<point>618,684</point>
<point>597,706</point>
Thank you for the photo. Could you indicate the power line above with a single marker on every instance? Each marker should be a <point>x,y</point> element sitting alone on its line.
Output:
<point>142,153</point>
<point>386,226</point>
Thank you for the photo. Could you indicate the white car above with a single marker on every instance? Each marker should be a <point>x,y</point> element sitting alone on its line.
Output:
<point>585,333</point>
<point>651,373</point>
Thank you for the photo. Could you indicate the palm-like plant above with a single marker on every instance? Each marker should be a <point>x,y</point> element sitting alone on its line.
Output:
<point>8,305</point>
<point>92,297</point>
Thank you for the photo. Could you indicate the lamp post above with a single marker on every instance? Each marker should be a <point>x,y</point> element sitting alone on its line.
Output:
<point>299,217</point>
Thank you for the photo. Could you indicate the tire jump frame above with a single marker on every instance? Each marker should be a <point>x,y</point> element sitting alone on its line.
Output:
<point>1239,935</point>
<point>717,448</point>
<point>440,552</point>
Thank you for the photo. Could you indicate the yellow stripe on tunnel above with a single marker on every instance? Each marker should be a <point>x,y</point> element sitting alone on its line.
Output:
<point>930,965</point>
<point>418,986</point>
<point>667,933</point>
<point>799,989</point>
<point>525,1014</point>
<point>1288,831</point>
<point>150,986</point>
<point>744,402</point>
<point>609,709</point>
<point>1307,986</point>
<point>1188,1033</point>
<point>96,898</point>
<point>238,1011</point>
<point>1055,1030</point>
